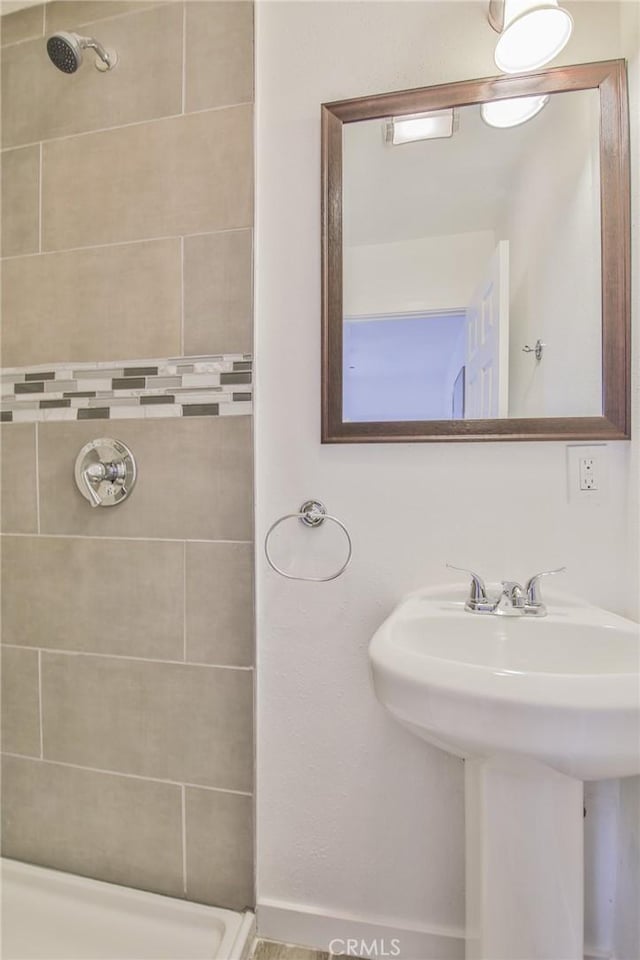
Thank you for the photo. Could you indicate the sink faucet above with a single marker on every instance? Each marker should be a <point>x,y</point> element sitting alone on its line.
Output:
<point>511,602</point>
<point>514,600</point>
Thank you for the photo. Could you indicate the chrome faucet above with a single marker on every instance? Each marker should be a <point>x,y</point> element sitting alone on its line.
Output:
<point>511,602</point>
<point>514,600</point>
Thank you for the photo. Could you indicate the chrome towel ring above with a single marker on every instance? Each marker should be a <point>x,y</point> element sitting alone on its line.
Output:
<point>312,513</point>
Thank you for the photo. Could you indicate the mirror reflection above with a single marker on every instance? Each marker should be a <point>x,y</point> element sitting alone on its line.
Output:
<point>471,263</point>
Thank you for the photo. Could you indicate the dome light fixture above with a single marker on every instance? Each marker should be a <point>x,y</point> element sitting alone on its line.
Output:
<point>512,111</point>
<point>532,32</point>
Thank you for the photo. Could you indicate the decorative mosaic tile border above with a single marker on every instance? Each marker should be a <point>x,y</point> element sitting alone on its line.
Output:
<point>178,387</point>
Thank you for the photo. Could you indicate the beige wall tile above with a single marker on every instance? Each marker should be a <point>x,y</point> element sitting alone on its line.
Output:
<point>218,293</point>
<point>68,14</point>
<point>219,848</point>
<point>20,702</point>
<point>117,829</point>
<point>18,465</point>
<point>174,722</point>
<point>220,603</point>
<point>219,54</point>
<point>100,596</point>
<point>20,201</point>
<point>194,479</point>
<point>103,303</point>
<point>40,102</point>
<point>21,25</point>
<point>190,174</point>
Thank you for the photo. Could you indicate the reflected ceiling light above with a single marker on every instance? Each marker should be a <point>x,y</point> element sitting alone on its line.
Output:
<point>419,126</point>
<point>511,112</point>
<point>531,33</point>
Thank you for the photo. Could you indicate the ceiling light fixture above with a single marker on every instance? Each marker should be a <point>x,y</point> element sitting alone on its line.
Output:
<point>419,126</point>
<point>511,112</point>
<point>531,33</point>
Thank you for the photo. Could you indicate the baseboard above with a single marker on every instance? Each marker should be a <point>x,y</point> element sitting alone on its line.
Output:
<point>594,953</point>
<point>385,939</point>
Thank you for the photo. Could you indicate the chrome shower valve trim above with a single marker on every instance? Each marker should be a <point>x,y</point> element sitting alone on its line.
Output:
<point>105,472</point>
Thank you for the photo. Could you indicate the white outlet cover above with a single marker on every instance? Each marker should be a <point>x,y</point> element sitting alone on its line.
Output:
<point>599,453</point>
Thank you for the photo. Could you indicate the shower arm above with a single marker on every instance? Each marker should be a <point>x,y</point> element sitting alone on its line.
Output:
<point>108,57</point>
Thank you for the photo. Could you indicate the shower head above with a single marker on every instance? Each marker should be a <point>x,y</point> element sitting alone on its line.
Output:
<point>65,52</point>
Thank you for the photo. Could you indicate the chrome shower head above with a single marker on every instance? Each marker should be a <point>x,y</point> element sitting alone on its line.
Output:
<point>65,52</point>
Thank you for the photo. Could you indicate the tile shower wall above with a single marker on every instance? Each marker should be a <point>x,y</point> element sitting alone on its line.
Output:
<point>127,718</point>
<point>117,390</point>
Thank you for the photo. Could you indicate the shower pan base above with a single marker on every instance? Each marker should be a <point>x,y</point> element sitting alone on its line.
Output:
<point>48,915</point>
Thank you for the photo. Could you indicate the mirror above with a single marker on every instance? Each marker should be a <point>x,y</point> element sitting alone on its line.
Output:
<point>476,271</point>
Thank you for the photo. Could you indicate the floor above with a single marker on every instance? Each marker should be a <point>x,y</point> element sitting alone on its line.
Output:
<point>270,950</point>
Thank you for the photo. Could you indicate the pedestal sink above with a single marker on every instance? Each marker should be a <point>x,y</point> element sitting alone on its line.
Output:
<point>535,706</point>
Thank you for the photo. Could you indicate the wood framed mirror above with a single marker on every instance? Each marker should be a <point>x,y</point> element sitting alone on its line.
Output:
<point>476,272</point>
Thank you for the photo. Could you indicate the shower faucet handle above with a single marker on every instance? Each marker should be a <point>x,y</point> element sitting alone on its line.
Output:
<point>105,472</point>
<point>89,478</point>
<point>96,473</point>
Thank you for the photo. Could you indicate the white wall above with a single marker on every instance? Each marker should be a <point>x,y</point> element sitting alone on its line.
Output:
<point>626,934</point>
<point>356,818</point>
<point>433,273</point>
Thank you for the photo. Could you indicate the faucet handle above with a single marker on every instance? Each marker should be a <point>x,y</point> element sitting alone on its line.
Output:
<point>478,600</point>
<point>90,475</point>
<point>532,587</point>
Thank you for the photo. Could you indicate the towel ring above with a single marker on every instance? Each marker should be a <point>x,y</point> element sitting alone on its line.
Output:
<point>312,513</point>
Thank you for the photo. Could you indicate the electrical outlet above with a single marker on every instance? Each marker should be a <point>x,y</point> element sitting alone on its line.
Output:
<point>586,474</point>
<point>588,468</point>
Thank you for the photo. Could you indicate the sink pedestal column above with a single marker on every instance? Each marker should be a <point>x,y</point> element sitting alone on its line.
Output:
<point>524,862</point>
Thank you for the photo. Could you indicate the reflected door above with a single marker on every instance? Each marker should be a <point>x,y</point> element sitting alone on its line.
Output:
<point>487,362</point>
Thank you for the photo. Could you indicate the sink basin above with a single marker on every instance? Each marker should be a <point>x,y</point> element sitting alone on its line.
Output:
<point>563,689</point>
<point>535,706</point>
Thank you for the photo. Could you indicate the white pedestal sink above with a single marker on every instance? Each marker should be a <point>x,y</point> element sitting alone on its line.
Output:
<point>535,706</point>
